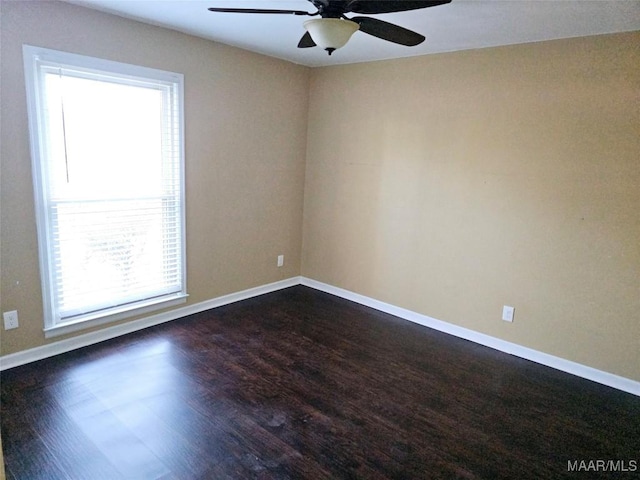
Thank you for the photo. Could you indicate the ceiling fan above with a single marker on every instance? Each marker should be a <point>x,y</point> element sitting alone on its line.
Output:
<point>333,29</point>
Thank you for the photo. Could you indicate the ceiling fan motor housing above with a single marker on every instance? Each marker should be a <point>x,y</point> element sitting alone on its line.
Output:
<point>331,9</point>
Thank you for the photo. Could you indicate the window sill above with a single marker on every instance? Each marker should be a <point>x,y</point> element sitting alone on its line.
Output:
<point>114,315</point>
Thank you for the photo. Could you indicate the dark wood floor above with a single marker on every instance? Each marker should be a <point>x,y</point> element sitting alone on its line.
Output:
<point>301,384</point>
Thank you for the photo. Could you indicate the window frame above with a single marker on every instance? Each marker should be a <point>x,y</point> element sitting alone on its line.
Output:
<point>33,58</point>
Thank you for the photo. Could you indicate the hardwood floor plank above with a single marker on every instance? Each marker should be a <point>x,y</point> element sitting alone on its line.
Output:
<point>27,456</point>
<point>67,444</point>
<point>116,442</point>
<point>302,384</point>
<point>176,451</point>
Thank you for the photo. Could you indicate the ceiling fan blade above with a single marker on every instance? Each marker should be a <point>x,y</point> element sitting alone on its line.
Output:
<point>388,6</point>
<point>306,41</point>
<point>259,10</point>
<point>388,31</point>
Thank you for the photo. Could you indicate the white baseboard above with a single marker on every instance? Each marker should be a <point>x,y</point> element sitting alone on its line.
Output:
<point>589,373</point>
<point>67,345</point>
<point>84,340</point>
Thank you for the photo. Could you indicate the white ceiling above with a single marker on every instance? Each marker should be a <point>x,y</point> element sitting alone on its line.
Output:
<point>460,25</point>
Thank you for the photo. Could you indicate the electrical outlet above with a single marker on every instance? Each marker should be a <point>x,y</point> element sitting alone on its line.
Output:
<point>280,260</point>
<point>10,319</point>
<point>507,313</point>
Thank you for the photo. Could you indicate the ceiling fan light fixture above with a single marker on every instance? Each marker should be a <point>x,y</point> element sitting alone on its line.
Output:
<point>330,33</point>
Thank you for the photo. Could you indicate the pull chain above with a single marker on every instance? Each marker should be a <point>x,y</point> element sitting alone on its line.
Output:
<point>64,126</point>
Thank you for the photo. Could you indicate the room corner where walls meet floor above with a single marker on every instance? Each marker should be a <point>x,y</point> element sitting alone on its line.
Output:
<point>67,345</point>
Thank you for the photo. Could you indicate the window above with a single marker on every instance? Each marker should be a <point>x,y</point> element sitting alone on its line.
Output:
<point>108,171</point>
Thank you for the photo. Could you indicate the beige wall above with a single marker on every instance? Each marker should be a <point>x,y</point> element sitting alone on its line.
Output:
<point>245,120</point>
<point>449,184</point>
<point>454,184</point>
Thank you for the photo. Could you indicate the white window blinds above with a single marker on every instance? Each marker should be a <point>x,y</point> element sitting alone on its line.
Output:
<point>108,170</point>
